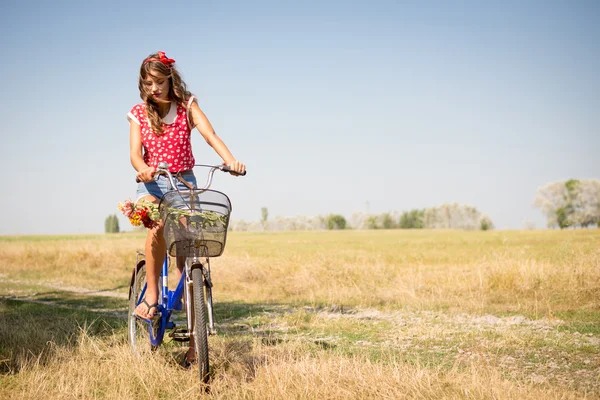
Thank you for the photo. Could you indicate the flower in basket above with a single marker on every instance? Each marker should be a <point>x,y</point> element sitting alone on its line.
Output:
<point>143,212</point>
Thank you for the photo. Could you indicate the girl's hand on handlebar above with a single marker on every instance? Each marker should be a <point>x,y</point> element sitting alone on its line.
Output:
<point>236,167</point>
<point>145,174</point>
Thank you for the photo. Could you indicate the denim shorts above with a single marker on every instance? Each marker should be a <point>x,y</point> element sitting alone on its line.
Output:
<point>159,187</point>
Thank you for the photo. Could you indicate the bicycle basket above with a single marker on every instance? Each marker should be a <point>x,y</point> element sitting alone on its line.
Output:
<point>195,222</point>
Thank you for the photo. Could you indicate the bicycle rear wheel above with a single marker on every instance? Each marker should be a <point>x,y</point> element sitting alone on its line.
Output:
<point>138,331</point>
<point>200,327</point>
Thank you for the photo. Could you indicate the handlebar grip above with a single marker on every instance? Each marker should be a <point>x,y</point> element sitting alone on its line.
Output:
<point>157,172</point>
<point>225,168</point>
<point>138,181</point>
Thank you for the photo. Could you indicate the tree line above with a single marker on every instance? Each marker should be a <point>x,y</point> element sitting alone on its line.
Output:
<point>566,204</point>
<point>445,216</point>
<point>570,204</point>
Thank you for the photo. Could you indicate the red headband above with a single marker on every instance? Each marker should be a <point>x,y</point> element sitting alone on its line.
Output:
<point>162,58</point>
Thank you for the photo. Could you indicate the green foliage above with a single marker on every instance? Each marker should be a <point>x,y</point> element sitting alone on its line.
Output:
<point>571,186</point>
<point>372,222</point>
<point>562,217</point>
<point>335,221</point>
<point>387,222</point>
<point>486,224</point>
<point>412,219</point>
<point>115,224</point>
<point>196,219</point>
<point>569,204</point>
<point>111,224</point>
<point>563,214</point>
<point>264,215</point>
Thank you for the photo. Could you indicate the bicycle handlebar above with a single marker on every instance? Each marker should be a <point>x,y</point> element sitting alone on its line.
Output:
<point>163,169</point>
<point>223,168</point>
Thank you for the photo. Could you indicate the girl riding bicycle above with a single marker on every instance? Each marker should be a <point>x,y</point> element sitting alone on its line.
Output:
<point>160,130</point>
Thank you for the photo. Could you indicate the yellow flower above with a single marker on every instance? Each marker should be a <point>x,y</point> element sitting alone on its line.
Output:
<point>135,220</point>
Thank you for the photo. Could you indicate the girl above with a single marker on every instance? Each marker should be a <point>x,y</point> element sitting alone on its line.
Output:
<point>159,130</point>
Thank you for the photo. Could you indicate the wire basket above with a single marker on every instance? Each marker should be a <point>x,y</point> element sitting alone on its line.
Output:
<point>195,222</point>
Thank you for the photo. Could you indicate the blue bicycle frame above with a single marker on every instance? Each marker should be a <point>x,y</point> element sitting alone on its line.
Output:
<point>170,301</point>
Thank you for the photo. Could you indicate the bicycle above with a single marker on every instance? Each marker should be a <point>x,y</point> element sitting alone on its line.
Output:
<point>195,228</point>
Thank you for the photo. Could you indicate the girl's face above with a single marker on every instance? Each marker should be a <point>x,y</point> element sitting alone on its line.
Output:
<point>158,86</point>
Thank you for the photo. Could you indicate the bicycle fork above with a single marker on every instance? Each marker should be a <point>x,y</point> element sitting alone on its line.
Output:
<point>209,303</point>
<point>205,268</point>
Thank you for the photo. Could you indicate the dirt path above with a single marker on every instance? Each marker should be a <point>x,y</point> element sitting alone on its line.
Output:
<point>73,289</point>
<point>33,296</point>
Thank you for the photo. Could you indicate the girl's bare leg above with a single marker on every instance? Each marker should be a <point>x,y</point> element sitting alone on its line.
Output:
<point>155,250</point>
<point>155,253</point>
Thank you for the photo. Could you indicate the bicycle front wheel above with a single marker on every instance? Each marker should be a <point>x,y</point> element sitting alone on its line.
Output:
<point>200,330</point>
<point>138,331</point>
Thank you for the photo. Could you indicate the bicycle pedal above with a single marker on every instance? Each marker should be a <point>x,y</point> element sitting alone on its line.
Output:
<point>153,321</point>
<point>180,335</point>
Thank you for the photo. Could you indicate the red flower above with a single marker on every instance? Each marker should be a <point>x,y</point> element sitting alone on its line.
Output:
<point>145,218</point>
<point>140,213</point>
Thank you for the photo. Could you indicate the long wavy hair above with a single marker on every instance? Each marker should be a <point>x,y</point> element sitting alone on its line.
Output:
<point>178,91</point>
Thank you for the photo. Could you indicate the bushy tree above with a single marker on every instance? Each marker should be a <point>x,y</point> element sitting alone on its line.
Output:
<point>387,222</point>
<point>553,200</point>
<point>586,206</point>
<point>335,221</point>
<point>264,215</point>
<point>485,224</point>
<point>115,224</point>
<point>372,222</point>
<point>570,203</point>
<point>411,219</point>
<point>454,216</point>
<point>111,224</point>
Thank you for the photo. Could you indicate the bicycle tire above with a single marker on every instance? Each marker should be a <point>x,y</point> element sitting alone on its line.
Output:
<point>138,333</point>
<point>200,331</point>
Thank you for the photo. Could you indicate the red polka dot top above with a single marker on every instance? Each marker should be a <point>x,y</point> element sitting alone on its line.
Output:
<point>174,145</point>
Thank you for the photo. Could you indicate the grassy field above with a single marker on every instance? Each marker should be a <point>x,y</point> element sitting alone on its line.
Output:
<point>345,314</point>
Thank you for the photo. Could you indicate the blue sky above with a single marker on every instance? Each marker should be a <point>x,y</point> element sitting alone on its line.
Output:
<point>330,104</point>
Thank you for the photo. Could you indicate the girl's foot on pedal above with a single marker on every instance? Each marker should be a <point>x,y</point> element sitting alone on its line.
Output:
<point>144,308</point>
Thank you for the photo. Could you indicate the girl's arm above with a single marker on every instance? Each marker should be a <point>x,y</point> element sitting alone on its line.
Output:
<point>200,122</point>
<point>144,172</point>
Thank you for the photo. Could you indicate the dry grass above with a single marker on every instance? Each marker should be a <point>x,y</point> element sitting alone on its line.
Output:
<point>524,272</point>
<point>89,262</point>
<point>536,272</point>
<point>377,314</point>
<point>95,368</point>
